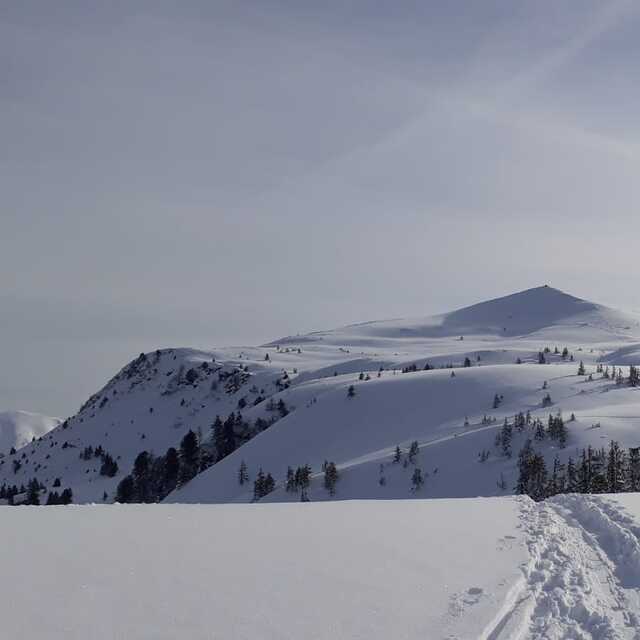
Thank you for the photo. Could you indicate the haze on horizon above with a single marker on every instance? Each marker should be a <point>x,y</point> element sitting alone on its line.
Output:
<point>201,174</point>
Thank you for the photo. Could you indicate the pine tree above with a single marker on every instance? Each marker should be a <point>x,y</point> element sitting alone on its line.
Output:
<point>243,476</point>
<point>291,485</point>
<point>109,466</point>
<point>557,480</point>
<point>397,455</point>
<point>572,485</point>
<point>330,477</point>
<point>524,461</point>
<point>413,451</point>
<point>282,408</point>
<point>33,492</point>
<point>170,471</point>
<point>417,480</point>
<point>616,468</point>
<point>258,485</point>
<point>269,484</point>
<point>189,457</point>
<point>537,477</point>
<point>505,438</point>
<point>141,467</point>
<point>125,491</point>
<point>351,391</point>
<point>633,473</point>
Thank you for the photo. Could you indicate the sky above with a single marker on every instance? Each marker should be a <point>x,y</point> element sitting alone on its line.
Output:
<point>223,173</point>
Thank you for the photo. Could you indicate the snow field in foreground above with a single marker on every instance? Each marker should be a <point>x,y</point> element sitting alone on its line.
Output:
<point>370,570</point>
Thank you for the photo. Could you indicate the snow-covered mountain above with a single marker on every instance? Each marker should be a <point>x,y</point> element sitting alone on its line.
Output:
<point>17,428</point>
<point>350,397</point>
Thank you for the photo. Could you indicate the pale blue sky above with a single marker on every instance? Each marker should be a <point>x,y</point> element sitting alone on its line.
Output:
<point>211,173</point>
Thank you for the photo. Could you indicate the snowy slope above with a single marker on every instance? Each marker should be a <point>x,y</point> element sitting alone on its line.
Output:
<point>360,434</point>
<point>17,428</point>
<point>158,397</point>
<point>475,569</point>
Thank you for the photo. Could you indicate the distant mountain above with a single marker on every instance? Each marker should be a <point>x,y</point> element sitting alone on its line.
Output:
<point>518,314</point>
<point>350,397</point>
<point>17,428</point>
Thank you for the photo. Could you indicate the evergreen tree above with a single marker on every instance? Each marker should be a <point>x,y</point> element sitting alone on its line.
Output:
<point>616,469</point>
<point>33,492</point>
<point>142,478</point>
<point>524,461</point>
<point>125,491</point>
<point>557,480</point>
<point>537,477</point>
<point>109,466</point>
<point>189,457</point>
<point>171,471</point>
<point>417,480</point>
<point>243,476</point>
<point>258,485</point>
<point>413,451</point>
<point>282,408</point>
<point>330,478</point>
<point>572,485</point>
<point>351,392</point>
<point>397,455</point>
<point>291,484</point>
<point>633,472</point>
<point>505,438</point>
<point>269,484</point>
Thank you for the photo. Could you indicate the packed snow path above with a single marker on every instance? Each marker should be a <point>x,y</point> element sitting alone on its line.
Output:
<point>583,577</point>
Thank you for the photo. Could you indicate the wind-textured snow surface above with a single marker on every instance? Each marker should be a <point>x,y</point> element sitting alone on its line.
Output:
<point>350,570</point>
<point>158,397</point>
<point>470,569</point>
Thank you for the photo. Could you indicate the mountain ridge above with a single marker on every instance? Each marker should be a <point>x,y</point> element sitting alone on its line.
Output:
<point>289,404</point>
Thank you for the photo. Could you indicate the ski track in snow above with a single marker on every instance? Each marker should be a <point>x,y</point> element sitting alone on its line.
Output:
<point>583,579</point>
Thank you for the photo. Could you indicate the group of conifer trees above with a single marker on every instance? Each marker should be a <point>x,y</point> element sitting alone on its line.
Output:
<point>154,477</point>
<point>615,470</point>
<point>32,494</point>
<point>555,429</point>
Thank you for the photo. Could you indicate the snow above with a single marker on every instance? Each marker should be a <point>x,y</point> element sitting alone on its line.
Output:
<point>379,559</point>
<point>17,428</point>
<point>398,569</point>
<point>361,433</point>
<point>468,569</point>
<point>151,404</point>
